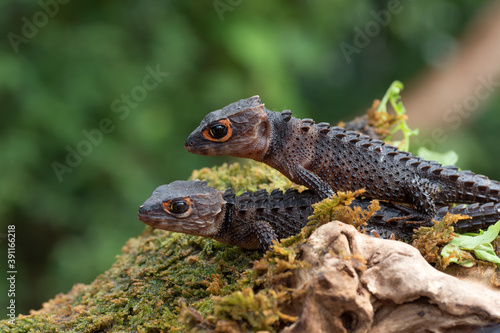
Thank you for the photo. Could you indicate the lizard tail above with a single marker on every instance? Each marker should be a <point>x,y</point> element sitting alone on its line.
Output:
<point>471,187</point>
<point>482,216</point>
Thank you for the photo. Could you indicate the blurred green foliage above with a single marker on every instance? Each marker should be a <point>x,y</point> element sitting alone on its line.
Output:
<point>78,67</point>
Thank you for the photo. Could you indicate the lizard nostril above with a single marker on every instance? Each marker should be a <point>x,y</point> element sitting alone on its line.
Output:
<point>143,210</point>
<point>189,144</point>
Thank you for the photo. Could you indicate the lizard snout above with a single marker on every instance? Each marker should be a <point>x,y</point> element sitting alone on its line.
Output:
<point>189,144</point>
<point>144,210</point>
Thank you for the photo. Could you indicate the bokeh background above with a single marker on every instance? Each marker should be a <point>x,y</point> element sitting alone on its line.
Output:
<point>70,67</point>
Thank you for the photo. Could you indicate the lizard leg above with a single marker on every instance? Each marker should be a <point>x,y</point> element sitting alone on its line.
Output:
<point>265,234</point>
<point>424,203</point>
<point>412,216</point>
<point>313,182</point>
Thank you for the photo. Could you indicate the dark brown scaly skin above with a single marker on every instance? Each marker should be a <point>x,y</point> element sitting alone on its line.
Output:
<point>361,125</point>
<point>254,220</point>
<point>328,159</point>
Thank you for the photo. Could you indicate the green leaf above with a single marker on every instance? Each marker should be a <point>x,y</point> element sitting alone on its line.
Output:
<point>456,255</point>
<point>488,255</point>
<point>480,244</point>
<point>447,158</point>
<point>472,242</point>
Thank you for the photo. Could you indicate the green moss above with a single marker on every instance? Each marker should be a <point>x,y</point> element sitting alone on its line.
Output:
<point>256,312</point>
<point>431,240</point>
<point>250,176</point>
<point>161,273</point>
<point>141,291</point>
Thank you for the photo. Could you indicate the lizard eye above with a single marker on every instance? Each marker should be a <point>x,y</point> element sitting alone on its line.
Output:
<point>219,131</point>
<point>177,206</point>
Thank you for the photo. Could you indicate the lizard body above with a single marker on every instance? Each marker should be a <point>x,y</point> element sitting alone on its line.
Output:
<point>328,159</point>
<point>254,220</point>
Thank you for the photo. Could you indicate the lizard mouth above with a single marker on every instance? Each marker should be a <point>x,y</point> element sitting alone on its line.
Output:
<point>192,148</point>
<point>148,219</point>
<point>159,222</point>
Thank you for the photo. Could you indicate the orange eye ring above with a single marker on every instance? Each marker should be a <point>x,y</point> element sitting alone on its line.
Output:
<point>180,207</point>
<point>218,132</point>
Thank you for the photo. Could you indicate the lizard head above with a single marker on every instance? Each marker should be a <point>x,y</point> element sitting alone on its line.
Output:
<point>240,129</point>
<point>190,207</point>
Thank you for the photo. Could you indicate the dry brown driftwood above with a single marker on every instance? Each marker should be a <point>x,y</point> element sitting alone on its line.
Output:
<point>356,283</point>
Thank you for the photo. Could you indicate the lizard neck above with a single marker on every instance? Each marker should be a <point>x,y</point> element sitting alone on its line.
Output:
<point>259,148</point>
<point>278,134</point>
<point>227,219</point>
<point>284,146</point>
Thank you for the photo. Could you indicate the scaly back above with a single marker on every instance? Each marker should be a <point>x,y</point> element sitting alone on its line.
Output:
<point>327,159</point>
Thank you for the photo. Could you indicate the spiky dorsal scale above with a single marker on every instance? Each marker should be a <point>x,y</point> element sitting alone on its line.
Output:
<point>447,176</point>
<point>276,199</point>
<point>346,160</point>
<point>482,216</point>
<point>245,201</point>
